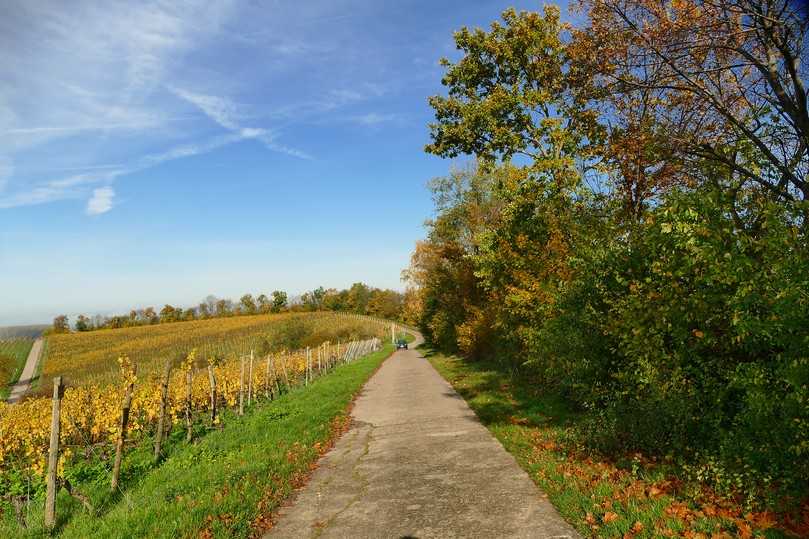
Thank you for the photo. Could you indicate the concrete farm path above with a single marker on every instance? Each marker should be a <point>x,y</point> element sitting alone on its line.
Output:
<point>417,463</point>
<point>28,372</point>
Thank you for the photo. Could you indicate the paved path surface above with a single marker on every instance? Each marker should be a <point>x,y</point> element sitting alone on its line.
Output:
<point>417,464</point>
<point>28,372</point>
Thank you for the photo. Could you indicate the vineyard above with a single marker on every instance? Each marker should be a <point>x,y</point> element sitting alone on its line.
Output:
<point>129,386</point>
<point>13,353</point>
<point>90,358</point>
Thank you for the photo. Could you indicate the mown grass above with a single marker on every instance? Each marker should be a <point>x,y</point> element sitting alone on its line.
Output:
<point>602,497</point>
<point>13,353</point>
<point>226,483</point>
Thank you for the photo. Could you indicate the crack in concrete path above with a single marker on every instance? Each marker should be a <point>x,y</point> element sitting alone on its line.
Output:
<point>360,479</point>
<point>418,463</point>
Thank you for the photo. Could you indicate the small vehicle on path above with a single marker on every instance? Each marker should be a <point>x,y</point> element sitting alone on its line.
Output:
<point>401,344</point>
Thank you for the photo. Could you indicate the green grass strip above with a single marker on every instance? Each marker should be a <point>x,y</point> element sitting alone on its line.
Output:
<point>599,497</point>
<point>13,354</point>
<point>228,483</point>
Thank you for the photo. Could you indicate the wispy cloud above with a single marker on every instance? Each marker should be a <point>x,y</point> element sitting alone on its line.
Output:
<point>219,109</point>
<point>73,186</point>
<point>229,116</point>
<point>101,201</point>
<point>375,118</point>
<point>144,82</point>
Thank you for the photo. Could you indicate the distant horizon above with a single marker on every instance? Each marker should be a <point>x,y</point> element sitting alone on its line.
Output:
<point>293,298</point>
<point>157,153</point>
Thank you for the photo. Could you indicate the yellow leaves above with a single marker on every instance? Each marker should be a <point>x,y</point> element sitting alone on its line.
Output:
<point>188,364</point>
<point>698,334</point>
<point>128,372</point>
<point>91,413</point>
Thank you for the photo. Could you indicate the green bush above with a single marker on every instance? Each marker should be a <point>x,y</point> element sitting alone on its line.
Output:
<point>689,335</point>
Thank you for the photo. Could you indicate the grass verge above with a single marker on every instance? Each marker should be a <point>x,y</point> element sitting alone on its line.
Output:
<point>13,354</point>
<point>629,497</point>
<point>229,481</point>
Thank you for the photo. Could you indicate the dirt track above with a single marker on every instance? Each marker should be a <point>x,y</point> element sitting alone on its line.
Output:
<point>28,372</point>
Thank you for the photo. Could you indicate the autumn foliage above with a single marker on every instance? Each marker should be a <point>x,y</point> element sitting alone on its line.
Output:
<point>634,229</point>
<point>91,405</point>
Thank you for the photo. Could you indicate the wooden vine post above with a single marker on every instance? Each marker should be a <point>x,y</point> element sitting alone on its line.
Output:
<point>212,382</point>
<point>306,379</point>
<point>284,369</point>
<point>161,417</point>
<point>250,381</point>
<point>276,386</point>
<point>241,387</point>
<point>53,453</point>
<point>268,390</point>
<point>119,445</point>
<point>189,380</point>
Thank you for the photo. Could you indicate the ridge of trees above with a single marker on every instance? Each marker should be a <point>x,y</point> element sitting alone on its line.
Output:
<point>359,298</point>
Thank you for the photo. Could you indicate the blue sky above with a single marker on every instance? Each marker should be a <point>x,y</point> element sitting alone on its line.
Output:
<point>155,153</point>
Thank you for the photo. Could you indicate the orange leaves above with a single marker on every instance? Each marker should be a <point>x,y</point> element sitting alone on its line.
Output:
<point>609,517</point>
<point>744,530</point>
<point>680,511</point>
<point>763,521</point>
<point>549,445</point>
<point>636,528</point>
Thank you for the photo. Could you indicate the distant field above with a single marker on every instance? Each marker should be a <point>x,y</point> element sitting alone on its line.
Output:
<point>91,357</point>
<point>13,353</point>
<point>14,332</point>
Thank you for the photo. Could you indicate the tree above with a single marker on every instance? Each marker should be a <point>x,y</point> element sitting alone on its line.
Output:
<point>83,323</point>
<point>61,324</point>
<point>263,303</point>
<point>279,301</point>
<point>204,311</point>
<point>516,92</point>
<point>168,314</point>
<point>189,314</point>
<point>313,301</point>
<point>248,304</point>
<point>726,80</point>
<point>210,301</point>
<point>223,307</point>
<point>150,316</point>
<point>335,300</point>
<point>99,321</point>
<point>358,296</point>
<point>412,306</point>
<point>443,266</point>
<point>385,304</point>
